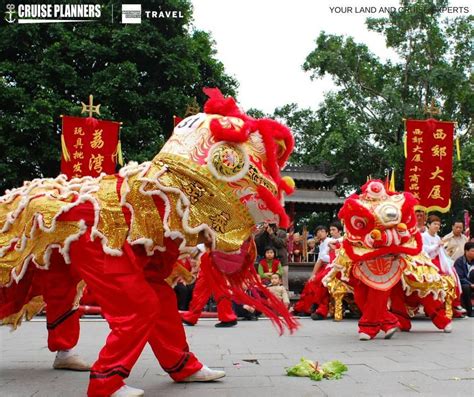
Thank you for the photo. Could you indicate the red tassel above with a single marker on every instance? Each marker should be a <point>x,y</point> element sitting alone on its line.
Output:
<point>232,286</point>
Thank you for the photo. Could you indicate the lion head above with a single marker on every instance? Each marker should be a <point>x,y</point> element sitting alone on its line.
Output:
<point>378,223</point>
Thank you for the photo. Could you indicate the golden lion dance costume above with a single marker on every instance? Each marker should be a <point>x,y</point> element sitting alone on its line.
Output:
<point>381,258</point>
<point>216,177</point>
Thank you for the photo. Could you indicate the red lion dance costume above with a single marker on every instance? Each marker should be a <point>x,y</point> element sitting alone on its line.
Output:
<point>382,258</point>
<point>213,181</point>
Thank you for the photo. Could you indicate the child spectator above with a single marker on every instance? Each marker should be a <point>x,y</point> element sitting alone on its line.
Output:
<point>278,290</point>
<point>269,265</point>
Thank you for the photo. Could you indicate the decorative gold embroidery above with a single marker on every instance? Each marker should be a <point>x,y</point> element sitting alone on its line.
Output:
<point>219,221</point>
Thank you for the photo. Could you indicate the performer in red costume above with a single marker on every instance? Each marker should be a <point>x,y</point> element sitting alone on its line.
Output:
<point>212,182</point>
<point>322,298</point>
<point>381,257</point>
<point>315,293</point>
<point>201,294</point>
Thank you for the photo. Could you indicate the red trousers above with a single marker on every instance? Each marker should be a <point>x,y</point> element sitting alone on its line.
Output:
<point>59,290</point>
<point>139,306</point>
<point>373,305</point>
<point>435,309</point>
<point>306,301</point>
<point>201,293</point>
<point>314,292</point>
<point>321,295</point>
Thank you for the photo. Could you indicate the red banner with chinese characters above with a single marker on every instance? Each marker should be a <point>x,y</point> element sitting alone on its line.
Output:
<point>429,163</point>
<point>89,146</point>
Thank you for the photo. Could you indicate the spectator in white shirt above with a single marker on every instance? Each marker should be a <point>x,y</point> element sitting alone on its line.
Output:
<point>323,257</point>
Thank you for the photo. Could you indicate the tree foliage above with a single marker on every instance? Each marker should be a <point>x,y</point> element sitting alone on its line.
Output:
<point>358,130</point>
<point>141,74</point>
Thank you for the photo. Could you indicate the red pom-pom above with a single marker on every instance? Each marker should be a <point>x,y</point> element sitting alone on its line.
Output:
<point>217,104</point>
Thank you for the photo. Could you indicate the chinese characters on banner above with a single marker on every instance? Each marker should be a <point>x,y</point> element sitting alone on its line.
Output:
<point>90,146</point>
<point>429,163</point>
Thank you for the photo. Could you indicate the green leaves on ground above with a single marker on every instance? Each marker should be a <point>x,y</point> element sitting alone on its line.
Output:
<point>312,369</point>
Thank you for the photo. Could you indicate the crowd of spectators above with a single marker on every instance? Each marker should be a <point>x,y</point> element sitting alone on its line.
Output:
<point>277,249</point>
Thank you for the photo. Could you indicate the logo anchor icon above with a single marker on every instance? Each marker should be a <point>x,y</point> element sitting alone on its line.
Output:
<point>9,14</point>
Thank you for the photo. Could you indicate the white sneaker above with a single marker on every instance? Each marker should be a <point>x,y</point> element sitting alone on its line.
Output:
<point>127,391</point>
<point>449,328</point>
<point>205,374</point>
<point>73,363</point>
<point>460,309</point>
<point>364,336</point>
<point>390,332</point>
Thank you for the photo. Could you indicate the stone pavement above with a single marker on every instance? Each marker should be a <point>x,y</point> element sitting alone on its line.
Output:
<point>424,362</point>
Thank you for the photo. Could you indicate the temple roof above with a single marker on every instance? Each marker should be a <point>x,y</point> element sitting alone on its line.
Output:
<point>306,173</point>
<point>308,196</point>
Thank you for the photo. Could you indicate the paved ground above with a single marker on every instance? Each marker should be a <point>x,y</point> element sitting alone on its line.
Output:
<point>423,362</point>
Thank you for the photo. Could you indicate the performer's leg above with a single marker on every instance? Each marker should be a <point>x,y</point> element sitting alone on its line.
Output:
<point>373,312</point>
<point>201,293</point>
<point>306,300</point>
<point>435,309</point>
<point>129,305</point>
<point>224,310</point>
<point>398,307</point>
<point>168,339</point>
<point>389,321</point>
<point>323,305</point>
<point>360,293</point>
<point>59,291</point>
<point>321,295</point>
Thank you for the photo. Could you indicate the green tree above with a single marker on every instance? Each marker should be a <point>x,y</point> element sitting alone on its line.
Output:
<point>141,74</point>
<point>358,130</point>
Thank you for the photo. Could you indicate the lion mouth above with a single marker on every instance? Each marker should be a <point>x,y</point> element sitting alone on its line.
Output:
<point>393,237</point>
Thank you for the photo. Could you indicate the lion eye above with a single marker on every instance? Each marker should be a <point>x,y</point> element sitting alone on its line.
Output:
<point>358,223</point>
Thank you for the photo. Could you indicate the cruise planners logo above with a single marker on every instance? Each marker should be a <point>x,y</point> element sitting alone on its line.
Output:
<point>52,13</point>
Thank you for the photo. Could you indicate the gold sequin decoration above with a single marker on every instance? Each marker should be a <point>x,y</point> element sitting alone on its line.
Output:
<point>28,311</point>
<point>218,198</point>
<point>112,222</point>
<point>36,247</point>
<point>146,219</point>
